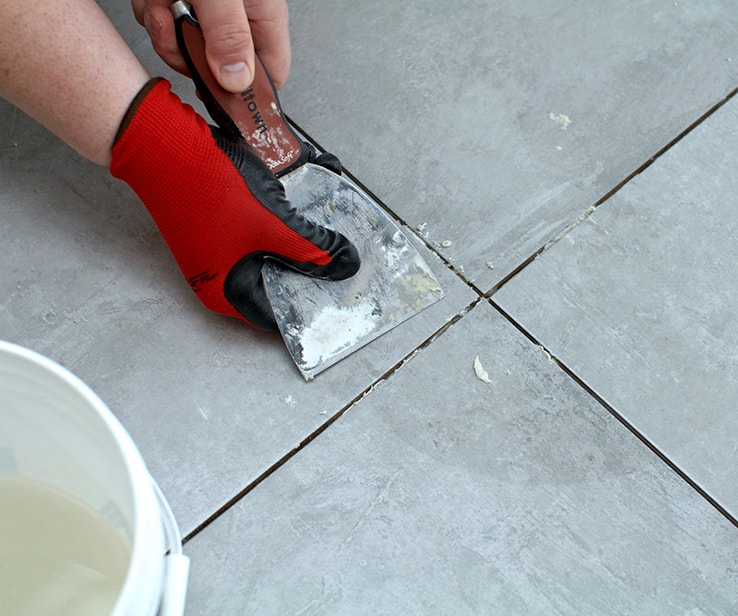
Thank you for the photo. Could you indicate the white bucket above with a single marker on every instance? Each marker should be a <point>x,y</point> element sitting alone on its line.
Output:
<point>55,431</point>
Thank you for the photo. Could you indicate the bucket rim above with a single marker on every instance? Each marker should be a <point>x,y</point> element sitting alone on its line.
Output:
<point>146,521</point>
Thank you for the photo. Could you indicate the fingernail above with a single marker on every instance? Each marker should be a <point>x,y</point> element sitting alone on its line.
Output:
<point>235,77</point>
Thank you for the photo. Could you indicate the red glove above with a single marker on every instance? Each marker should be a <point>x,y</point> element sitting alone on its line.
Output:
<point>219,208</point>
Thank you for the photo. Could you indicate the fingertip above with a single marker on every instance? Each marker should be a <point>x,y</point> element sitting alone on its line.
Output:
<point>229,46</point>
<point>345,262</point>
<point>153,25</point>
<point>159,25</point>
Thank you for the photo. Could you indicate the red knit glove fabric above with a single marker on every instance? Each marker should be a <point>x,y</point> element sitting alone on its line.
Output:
<point>218,207</point>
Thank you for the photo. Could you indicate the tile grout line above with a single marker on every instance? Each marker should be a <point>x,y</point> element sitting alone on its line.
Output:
<point>392,214</point>
<point>488,295</point>
<point>563,233</point>
<point>328,423</point>
<point>610,193</point>
<point>683,475</point>
<point>386,375</point>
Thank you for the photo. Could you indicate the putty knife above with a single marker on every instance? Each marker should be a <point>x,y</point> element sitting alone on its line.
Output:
<point>321,321</point>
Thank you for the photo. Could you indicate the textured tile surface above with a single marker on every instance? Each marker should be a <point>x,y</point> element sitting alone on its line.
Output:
<point>640,301</point>
<point>518,496</point>
<point>497,124</point>
<point>490,127</point>
<point>88,281</point>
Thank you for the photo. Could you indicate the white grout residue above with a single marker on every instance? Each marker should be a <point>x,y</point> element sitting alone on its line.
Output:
<point>395,252</point>
<point>481,373</point>
<point>335,329</point>
<point>561,119</point>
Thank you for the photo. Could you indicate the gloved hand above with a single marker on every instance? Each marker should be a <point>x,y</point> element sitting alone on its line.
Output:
<point>219,208</point>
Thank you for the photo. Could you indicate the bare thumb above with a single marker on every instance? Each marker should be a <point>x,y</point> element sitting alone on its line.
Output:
<point>229,46</point>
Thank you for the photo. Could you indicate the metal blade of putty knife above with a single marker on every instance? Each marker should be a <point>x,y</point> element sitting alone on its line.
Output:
<point>324,321</point>
<point>321,321</point>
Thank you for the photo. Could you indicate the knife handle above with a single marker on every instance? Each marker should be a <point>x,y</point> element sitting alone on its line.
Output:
<point>255,114</point>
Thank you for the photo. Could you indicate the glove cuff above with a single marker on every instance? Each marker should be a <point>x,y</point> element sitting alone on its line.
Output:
<point>136,102</point>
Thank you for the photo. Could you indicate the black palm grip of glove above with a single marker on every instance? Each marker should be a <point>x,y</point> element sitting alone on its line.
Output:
<point>244,286</point>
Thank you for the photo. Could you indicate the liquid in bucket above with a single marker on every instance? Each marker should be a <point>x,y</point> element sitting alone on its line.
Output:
<point>57,556</point>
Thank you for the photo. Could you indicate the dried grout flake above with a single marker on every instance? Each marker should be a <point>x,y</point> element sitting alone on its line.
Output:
<point>561,119</point>
<point>479,370</point>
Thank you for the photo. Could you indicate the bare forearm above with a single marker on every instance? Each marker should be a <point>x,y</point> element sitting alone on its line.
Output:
<point>63,63</point>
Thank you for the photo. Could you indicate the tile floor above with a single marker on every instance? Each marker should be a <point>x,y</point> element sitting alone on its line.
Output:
<point>580,159</point>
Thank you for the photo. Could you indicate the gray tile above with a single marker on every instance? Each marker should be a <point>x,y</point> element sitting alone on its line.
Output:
<point>640,301</point>
<point>497,124</point>
<point>491,125</point>
<point>442,494</point>
<point>88,281</point>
